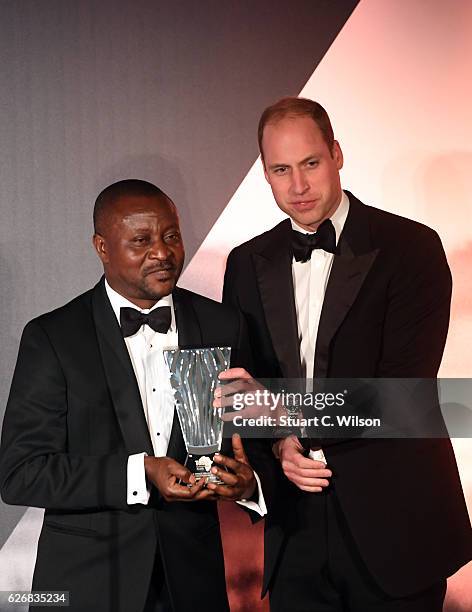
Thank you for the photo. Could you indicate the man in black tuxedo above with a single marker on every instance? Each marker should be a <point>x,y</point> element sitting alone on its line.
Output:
<point>358,525</point>
<point>90,432</point>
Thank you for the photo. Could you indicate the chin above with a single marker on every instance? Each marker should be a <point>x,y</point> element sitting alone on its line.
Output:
<point>160,289</point>
<point>166,289</point>
<point>307,220</point>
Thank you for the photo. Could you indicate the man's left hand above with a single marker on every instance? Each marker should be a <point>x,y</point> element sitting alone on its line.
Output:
<point>240,482</point>
<point>307,474</point>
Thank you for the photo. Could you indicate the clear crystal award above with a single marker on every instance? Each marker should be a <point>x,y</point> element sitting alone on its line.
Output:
<point>194,377</point>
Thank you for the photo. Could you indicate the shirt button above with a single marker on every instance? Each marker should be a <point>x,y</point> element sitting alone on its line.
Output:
<point>135,492</point>
<point>153,390</point>
<point>158,433</point>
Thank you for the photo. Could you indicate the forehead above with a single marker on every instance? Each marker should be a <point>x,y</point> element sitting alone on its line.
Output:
<point>292,135</point>
<point>130,210</point>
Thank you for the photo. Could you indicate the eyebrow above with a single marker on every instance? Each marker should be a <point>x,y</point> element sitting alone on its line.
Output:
<point>303,161</point>
<point>312,156</point>
<point>272,166</point>
<point>147,229</point>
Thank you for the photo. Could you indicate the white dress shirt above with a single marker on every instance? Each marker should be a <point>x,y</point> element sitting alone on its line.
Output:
<point>310,279</point>
<point>145,349</point>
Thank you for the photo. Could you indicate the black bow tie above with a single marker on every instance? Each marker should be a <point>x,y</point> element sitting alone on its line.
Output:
<point>131,320</point>
<point>303,244</point>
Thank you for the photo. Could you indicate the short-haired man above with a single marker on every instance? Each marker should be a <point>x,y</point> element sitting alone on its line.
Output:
<point>382,523</point>
<point>90,432</point>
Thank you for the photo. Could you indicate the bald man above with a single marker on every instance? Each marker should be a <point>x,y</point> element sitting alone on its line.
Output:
<point>91,436</point>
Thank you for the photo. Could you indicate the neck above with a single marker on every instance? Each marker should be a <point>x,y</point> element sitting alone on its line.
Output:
<point>143,304</point>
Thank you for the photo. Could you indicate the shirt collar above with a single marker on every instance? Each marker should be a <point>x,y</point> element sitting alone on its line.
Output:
<point>118,301</point>
<point>338,218</point>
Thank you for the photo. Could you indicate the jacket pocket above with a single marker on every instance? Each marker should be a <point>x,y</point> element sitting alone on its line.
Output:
<point>71,529</point>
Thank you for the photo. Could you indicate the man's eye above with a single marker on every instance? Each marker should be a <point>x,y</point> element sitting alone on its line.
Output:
<point>280,170</point>
<point>313,163</point>
<point>173,237</point>
<point>139,239</point>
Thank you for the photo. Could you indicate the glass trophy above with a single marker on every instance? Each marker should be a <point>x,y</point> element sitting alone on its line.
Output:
<point>194,377</point>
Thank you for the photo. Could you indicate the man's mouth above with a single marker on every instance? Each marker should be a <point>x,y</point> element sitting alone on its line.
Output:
<point>162,272</point>
<point>302,205</point>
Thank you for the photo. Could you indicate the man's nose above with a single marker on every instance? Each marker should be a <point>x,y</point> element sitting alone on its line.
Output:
<point>159,250</point>
<point>299,182</point>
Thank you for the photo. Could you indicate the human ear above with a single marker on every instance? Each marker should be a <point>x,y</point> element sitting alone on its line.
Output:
<point>100,246</point>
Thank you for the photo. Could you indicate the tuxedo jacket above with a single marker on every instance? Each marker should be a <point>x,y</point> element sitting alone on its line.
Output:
<point>385,314</point>
<point>73,417</point>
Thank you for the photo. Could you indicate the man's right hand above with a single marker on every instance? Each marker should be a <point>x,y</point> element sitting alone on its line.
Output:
<point>238,381</point>
<point>172,480</point>
<point>307,474</point>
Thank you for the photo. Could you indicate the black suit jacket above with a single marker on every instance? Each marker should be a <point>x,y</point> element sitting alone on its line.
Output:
<point>385,314</point>
<point>74,415</point>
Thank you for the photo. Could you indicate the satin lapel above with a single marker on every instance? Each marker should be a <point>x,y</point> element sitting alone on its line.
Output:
<point>350,268</point>
<point>188,325</point>
<point>120,376</point>
<point>273,268</point>
<point>190,336</point>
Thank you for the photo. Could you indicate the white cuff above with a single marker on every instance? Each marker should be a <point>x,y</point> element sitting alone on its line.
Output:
<point>259,506</point>
<point>318,455</point>
<point>136,483</point>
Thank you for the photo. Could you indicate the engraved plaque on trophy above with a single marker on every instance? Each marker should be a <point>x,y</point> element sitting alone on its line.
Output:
<point>194,377</point>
